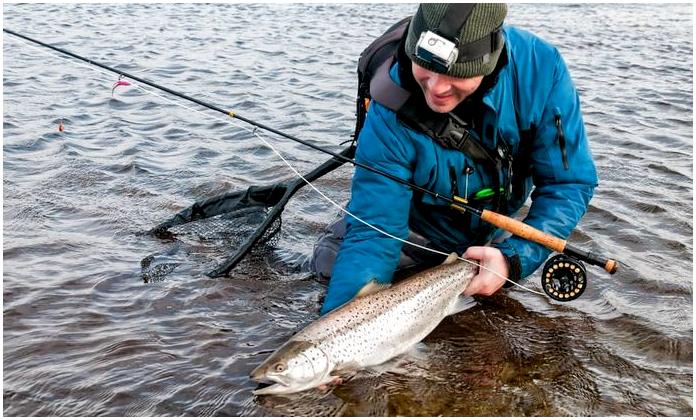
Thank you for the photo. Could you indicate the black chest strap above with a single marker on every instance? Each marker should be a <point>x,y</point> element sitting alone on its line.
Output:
<point>448,130</point>
<point>385,91</point>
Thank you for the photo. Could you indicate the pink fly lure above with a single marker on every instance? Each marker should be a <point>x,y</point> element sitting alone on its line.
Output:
<point>118,83</point>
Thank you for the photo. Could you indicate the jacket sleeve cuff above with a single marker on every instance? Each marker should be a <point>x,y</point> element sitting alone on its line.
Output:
<point>513,263</point>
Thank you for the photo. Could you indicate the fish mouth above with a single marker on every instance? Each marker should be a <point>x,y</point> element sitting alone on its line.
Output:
<point>261,377</point>
<point>269,384</point>
<point>273,385</point>
<point>263,374</point>
<point>272,389</point>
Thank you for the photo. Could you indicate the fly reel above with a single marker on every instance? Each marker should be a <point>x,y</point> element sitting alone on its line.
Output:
<point>564,278</point>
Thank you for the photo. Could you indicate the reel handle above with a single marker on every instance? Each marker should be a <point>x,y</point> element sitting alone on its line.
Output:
<point>533,234</point>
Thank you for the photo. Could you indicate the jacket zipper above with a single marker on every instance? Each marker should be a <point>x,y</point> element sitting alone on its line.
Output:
<point>560,138</point>
<point>453,180</point>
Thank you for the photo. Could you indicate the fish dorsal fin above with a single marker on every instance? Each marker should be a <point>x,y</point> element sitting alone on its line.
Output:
<point>451,258</point>
<point>372,287</point>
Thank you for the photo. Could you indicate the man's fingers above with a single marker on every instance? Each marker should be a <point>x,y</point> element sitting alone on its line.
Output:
<point>475,252</point>
<point>486,283</point>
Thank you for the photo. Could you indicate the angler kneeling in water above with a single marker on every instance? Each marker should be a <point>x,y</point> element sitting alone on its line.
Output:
<point>470,107</point>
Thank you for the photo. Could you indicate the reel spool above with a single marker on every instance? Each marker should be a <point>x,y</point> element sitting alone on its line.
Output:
<point>563,278</point>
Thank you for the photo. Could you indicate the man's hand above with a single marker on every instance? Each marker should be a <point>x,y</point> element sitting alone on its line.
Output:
<point>486,283</point>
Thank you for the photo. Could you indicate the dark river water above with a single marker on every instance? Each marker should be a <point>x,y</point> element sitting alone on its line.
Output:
<point>88,333</point>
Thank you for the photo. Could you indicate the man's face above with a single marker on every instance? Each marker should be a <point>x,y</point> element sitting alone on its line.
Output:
<point>443,93</point>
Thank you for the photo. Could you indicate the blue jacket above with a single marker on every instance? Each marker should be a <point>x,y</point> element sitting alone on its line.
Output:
<point>536,83</point>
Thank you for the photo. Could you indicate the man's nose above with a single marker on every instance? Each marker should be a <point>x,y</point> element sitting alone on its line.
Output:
<point>437,84</point>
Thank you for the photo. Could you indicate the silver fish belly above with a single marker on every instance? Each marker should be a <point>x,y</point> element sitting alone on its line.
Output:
<point>368,330</point>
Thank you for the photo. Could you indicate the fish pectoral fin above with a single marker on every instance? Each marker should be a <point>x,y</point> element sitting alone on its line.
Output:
<point>345,372</point>
<point>461,304</point>
<point>451,258</point>
<point>338,380</point>
<point>373,286</point>
<point>333,381</point>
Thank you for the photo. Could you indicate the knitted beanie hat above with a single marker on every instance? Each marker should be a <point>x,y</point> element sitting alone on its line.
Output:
<point>484,19</point>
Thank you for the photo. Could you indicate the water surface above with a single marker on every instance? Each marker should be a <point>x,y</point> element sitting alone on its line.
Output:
<point>84,334</point>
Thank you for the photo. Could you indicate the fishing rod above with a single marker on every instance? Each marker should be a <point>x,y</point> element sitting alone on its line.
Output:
<point>560,267</point>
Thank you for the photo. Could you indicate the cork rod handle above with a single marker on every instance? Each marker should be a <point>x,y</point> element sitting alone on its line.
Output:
<point>523,230</point>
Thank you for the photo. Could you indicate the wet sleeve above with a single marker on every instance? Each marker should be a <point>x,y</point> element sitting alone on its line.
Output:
<point>365,253</point>
<point>564,174</point>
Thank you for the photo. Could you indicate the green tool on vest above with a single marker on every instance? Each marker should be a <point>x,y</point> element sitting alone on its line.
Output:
<point>486,193</point>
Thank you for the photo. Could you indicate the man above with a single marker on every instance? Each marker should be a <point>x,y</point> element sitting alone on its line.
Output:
<point>491,112</point>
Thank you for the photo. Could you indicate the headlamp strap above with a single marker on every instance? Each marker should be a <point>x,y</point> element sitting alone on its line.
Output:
<point>454,19</point>
<point>480,47</point>
<point>451,24</point>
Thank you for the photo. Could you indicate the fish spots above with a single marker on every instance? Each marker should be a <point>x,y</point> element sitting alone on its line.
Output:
<point>372,328</point>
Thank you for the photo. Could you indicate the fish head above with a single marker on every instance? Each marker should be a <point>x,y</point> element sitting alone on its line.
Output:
<point>294,367</point>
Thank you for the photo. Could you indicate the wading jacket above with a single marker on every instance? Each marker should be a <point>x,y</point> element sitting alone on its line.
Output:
<point>533,93</point>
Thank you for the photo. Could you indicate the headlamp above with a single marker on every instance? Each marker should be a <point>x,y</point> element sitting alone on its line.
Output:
<point>437,51</point>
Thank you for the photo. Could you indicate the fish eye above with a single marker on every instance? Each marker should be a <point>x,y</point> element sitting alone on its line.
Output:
<point>280,367</point>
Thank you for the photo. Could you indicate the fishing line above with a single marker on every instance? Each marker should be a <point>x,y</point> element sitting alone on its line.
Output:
<point>338,206</point>
<point>254,132</point>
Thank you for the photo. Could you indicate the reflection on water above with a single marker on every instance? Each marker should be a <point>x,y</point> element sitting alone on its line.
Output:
<point>100,319</point>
